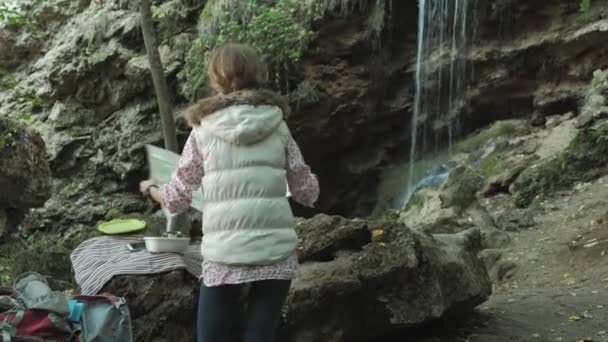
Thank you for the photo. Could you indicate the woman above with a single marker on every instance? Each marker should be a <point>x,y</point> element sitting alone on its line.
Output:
<point>243,154</point>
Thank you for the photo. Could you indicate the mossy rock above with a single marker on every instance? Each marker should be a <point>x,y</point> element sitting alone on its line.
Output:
<point>501,171</point>
<point>460,188</point>
<point>507,128</point>
<point>43,255</point>
<point>493,165</point>
<point>24,169</point>
<point>585,159</point>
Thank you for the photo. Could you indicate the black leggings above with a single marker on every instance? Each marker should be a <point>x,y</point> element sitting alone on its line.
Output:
<point>220,309</point>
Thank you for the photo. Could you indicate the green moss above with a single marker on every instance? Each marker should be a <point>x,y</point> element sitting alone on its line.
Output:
<point>584,160</point>
<point>12,17</point>
<point>492,166</point>
<point>499,129</point>
<point>20,95</point>
<point>585,6</point>
<point>5,272</point>
<point>9,133</point>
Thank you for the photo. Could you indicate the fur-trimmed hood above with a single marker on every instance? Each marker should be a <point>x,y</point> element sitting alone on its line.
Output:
<point>242,118</point>
<point>259,97</point>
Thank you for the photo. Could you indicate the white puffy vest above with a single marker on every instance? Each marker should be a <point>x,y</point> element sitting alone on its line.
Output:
<point>247,218</point>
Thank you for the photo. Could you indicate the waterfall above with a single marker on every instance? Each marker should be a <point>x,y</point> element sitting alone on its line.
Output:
<point>445,29</point>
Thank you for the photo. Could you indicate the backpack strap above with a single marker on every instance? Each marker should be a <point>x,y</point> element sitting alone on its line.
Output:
<point>8,331</point>
<point>6,336</point>
<point>9,326</point>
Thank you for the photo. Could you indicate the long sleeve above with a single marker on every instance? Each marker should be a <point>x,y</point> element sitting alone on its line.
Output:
<point>303,184</point>
<point>177,194</point>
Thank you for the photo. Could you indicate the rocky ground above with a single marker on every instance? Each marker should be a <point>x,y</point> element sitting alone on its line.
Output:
<point>540,197</point>
<point>556,285</point>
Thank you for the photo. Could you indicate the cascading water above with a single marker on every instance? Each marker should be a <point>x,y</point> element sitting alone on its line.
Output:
<point>445,30</point>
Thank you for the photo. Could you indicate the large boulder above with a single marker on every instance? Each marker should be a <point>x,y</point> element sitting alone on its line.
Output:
<point>24,170</point>
<point>402,278</point>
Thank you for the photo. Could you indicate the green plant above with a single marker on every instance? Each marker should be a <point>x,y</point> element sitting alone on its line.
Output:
<point>9,131</point>
<point>5,272</point>
<point>307,92</point>
<point>12,17</point>
<point>585,6</point>
<point>20,95</point>
<point>274,30</point>
<point>15,16</point>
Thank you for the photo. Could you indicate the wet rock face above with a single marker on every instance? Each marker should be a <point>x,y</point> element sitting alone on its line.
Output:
<point>400,277</point>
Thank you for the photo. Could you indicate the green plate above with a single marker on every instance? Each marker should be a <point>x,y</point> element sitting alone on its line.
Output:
<point>121,226</point>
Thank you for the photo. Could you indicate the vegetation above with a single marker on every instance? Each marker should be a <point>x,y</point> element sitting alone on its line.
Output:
<point>19,93</point>
<point>9,133</point>
<point>14,16</point>
<point>21,96</point>
<point>308,91</point>
<point>5,272</point>
<point>274,30</point>
<point>492,165</point>
<point>11,16</point>
<point>585,6</point>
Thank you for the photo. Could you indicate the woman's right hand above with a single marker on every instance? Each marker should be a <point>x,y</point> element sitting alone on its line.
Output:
<point>145,185</point>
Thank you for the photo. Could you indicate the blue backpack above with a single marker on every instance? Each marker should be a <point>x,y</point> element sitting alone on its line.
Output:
<point>31,311</point>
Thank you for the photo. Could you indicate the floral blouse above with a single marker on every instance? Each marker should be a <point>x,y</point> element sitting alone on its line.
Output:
<point>177,196</point>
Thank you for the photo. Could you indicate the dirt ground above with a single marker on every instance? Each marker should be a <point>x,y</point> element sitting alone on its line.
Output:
<point>559,290</point>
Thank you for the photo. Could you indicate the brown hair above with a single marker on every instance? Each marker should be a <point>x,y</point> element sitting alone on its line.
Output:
<point>232,67</point>
<point>237,73</point>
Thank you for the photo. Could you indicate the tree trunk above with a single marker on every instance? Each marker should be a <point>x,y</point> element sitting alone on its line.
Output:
<point>158,77</point>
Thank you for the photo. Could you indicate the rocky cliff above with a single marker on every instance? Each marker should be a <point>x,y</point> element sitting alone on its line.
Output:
<point>82,75</point>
